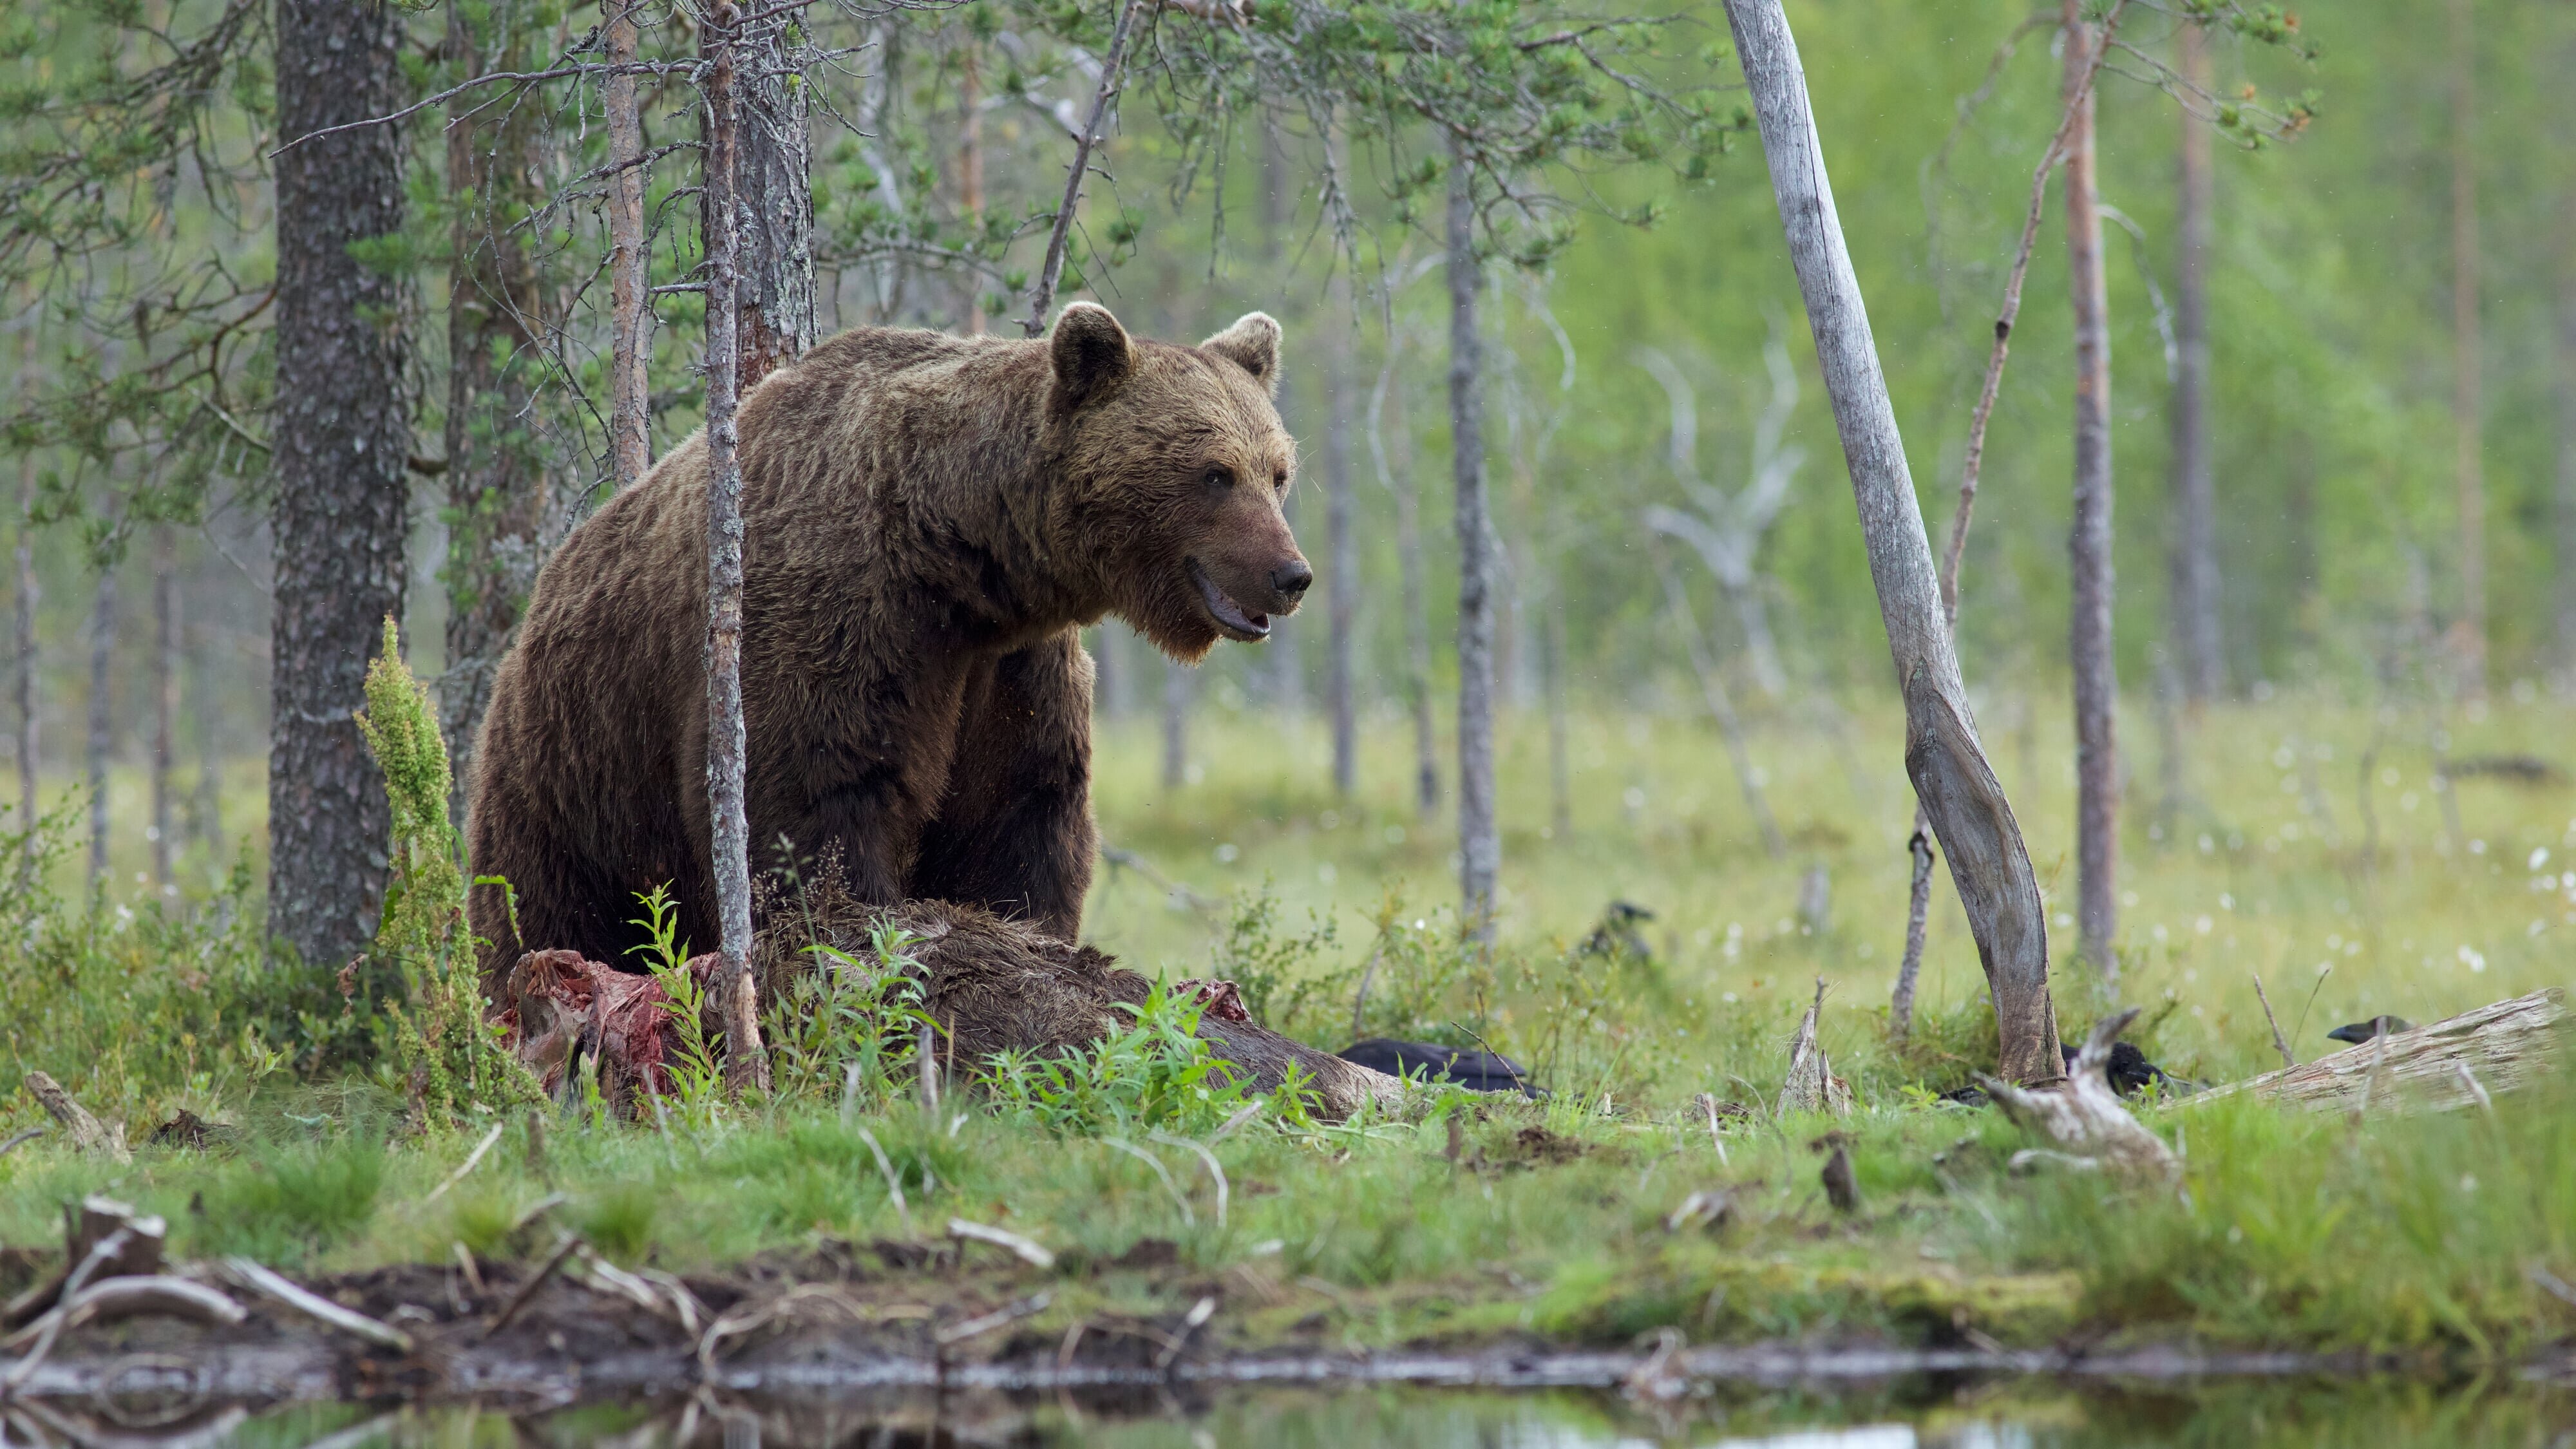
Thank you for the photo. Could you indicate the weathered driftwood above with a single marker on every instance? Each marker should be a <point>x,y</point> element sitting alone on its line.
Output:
<point>85,1131</point>
<point>2085,1117</point>
<point>1958,789</point>
<point>134,1249</point>
<point>2463,1061</point>
<point>1811,1085</point>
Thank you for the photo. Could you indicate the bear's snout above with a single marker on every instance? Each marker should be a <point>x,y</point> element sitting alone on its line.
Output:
<point>1290,579</point>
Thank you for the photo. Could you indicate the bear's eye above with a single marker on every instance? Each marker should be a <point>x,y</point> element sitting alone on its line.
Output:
<point>1279,483</point>
<point>1220,478</point>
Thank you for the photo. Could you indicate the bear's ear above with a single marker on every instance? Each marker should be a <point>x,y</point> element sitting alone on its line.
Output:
<point>1091,354</point>
<point>1252,343</point>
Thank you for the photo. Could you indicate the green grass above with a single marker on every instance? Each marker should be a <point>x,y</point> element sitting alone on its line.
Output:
<point>2400,1234</point>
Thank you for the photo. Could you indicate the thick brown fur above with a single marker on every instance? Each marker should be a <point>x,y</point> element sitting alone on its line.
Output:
<point>927,522</point>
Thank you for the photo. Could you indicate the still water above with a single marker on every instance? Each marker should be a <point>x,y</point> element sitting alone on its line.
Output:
<point>1974,1416</point>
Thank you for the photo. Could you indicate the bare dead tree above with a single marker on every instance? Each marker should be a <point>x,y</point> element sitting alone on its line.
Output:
<point>1480,841</point>
<point>1176,724</point>
<point>22,682</point>
<point>2097,686</point>
<point>1112,76</point>
<point>2194,606</point>
<point>630,314</point>
<point>1726,530</point>
<point>1721,708</point>
<point>746,1063</point>
<point>773,197</point>
<point>1409,567</point>
<point>2469,632</point>
<point>165,696</point>
<point>1971,463</point>
<point>1341,546</point>
<point>102,719</point>
<point>1966,804</point>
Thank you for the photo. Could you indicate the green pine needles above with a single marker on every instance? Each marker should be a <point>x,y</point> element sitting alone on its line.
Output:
<point>452,1060</point>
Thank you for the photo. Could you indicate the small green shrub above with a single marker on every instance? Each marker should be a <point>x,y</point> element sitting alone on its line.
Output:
<point>1154,1074</point>
<point>451,1060</point>
<point>697,1080</point>
<point>848,1027</point>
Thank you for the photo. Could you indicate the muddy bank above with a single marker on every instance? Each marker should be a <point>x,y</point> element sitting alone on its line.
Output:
<point>835,1323</point>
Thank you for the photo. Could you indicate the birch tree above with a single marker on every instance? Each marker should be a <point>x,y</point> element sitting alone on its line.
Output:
<point>2194,612</point>
<point>1726,530</point>
<point>2468,404</point>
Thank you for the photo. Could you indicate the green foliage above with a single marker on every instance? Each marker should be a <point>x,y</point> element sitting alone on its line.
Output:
<point>450,1059</point>
<point>847,1029</point>
<point>1277,972</point>
<point>697,1078</point>
<point>1153,1074</point>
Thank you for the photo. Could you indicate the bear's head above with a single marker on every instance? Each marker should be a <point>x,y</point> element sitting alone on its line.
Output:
<point>1175,465</point>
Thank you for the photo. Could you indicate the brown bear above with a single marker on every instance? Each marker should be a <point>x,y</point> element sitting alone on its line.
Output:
<point>927,520</point>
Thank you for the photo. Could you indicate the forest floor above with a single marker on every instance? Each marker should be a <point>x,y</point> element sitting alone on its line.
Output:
<point>2440,1243</point>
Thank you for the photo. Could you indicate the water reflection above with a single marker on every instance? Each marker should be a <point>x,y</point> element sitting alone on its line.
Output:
<point>1921,1416</point>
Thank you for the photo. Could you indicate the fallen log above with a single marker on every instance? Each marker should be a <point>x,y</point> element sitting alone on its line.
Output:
<point>2084,1115</point>
<point>2461,1061</point>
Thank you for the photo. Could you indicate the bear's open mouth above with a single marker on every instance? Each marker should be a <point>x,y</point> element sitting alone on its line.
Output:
<point>1230,616</point>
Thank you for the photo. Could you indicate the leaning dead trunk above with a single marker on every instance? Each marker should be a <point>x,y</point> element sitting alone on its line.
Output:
<point>2459,1061</point>
<point>1480,841</point>
<point>1963,799</point>
<point>746,1064</point>
<point>2097,687</point>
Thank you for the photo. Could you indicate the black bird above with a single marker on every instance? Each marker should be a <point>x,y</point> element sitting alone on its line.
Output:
<point>1617,935</point>
<point>2361,1031</point>
<point>2130,1071</point>
<point>1430,1062</point>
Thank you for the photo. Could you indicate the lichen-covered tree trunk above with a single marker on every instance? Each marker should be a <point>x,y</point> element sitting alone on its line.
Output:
<point>2097,687</point>
<point>499,314</point>
<point>1480,843</point>
<point>2194,607</point>
<point>773,197</point>
<point>342,433</point>
<point>746,1063</point>
<point>630,404</point>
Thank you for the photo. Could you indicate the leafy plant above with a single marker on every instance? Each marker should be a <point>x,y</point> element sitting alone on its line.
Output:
<point>1275,971</point>
<point>697,1079</point>
<point>1154,1073</point>
<point>450,1058</point>
<point>846,1026</point>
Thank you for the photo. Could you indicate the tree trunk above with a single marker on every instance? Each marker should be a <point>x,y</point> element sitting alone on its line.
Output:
<point>746,1064</point>
<point>499,315</point>
<point>1966,804</point>
<point>22,684</point>
<point>207,812</point>
<point>1721,708</point>
<point>102,720</point>
<point>1560,764</point>
<point>2469,632</point>
<point>773,199</point>
<point>1341,551</point>
<point>1480,842</point>
<point>342,434</point>
<point>1278,212</point>
<point>2563,498</point>
<point>2097,782</point>
<point>970,167</point>
<point>165,698</point>
<point>1176,724</point>
<point>2195,606</point>
<point>630,314</point>
<point>1409,581</point>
